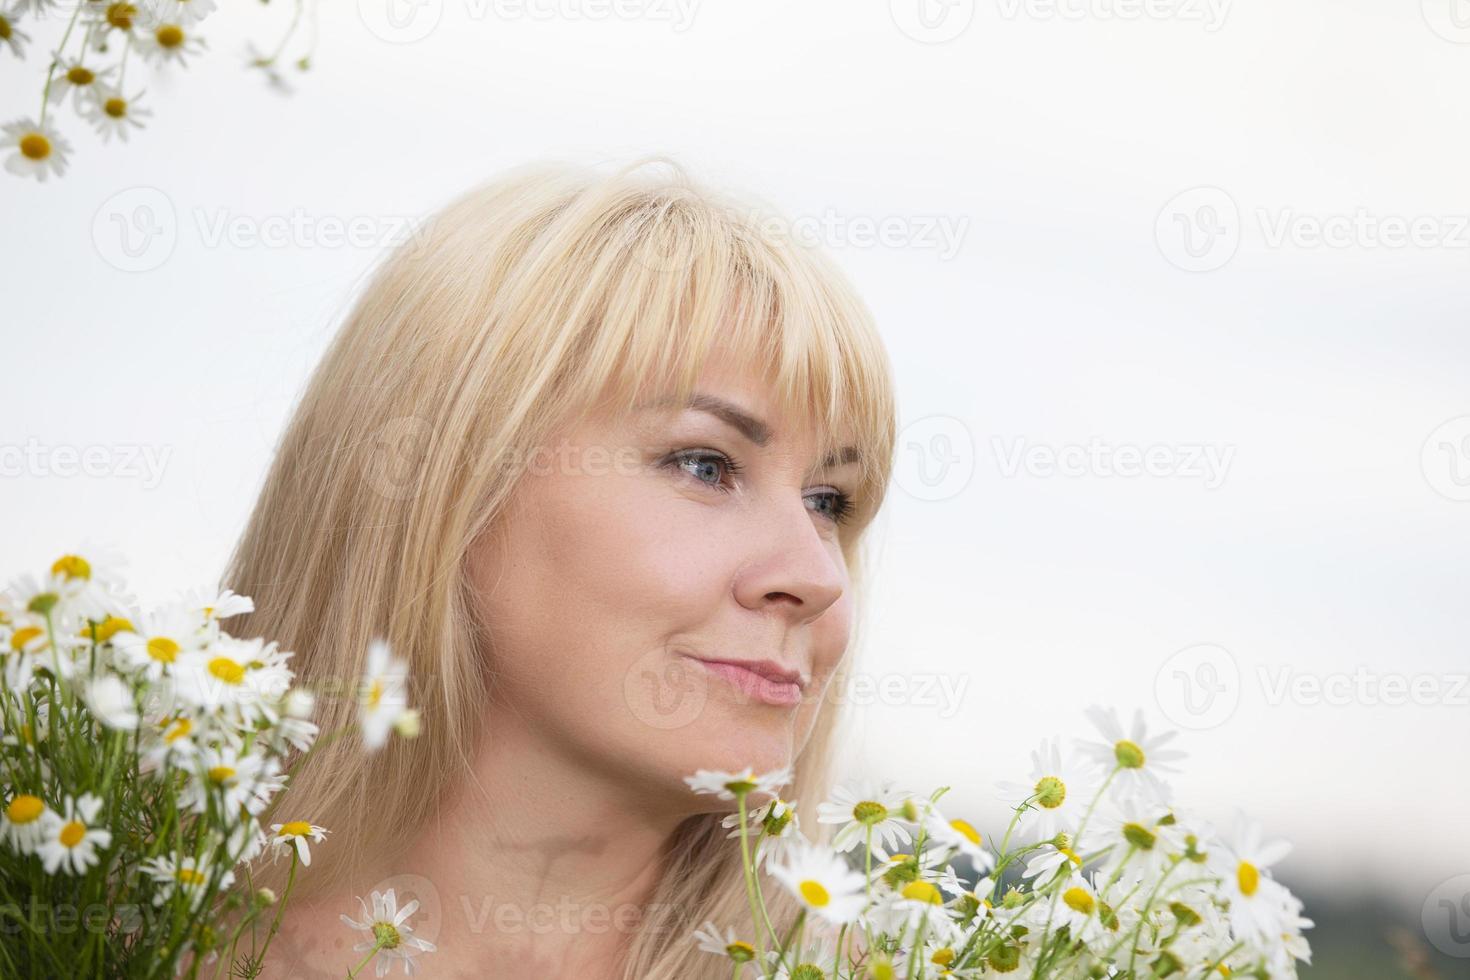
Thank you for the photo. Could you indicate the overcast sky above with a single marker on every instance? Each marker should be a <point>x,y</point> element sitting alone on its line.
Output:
<point>1175,294</point>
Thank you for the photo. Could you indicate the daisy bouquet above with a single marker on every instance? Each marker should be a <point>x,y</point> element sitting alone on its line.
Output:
<point>93,46</point>
<point>1096,875</point>
<point>142,761</point>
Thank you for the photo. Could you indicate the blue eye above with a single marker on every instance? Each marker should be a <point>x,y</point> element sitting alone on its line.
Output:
<point>708,466</point>
<point>839,504</point>
<point>704,462</point>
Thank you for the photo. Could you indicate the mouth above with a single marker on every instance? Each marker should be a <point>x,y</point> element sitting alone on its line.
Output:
<point>760,680</point>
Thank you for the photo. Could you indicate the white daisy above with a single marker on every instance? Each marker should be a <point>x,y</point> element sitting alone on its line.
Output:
<point>957,836</point>
<point>1058,794</point>
<point>1141,833</point>
<point>902,910</point>
<point>186,876</point>
<point>243,680</point>
<point>164,636</point>
<point>773,826</point>
<point>113,114</point>
<point>1139,756</point>
<point>296,833</point>
<point>726,785</point>
<point>23,822</point>
<point>236,780</point>
<point>12,37</point>
<point>1077,908</point>
<point>869,805</point>
<point>383,695</point>
<point>1050,863</point>
<point>822,881</point>
<point>710,941</point>
<point>387,926</point>
<point>215,606</point>
<point>1258,905</point>
<point>813,959</point>
<point>77,80</point>
<point>164,42</point>
<point>39,150</point>
<point>70,840</point>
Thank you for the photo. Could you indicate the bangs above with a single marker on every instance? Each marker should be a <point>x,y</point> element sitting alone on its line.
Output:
<point>682,274</point>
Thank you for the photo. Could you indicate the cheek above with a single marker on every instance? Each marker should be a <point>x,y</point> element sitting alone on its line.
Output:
<point>593,575</point>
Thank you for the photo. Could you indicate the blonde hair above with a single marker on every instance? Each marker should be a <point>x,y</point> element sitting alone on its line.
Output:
<point>518,307</point>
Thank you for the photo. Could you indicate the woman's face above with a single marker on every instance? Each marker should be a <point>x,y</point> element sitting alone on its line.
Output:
<point>637,554</point>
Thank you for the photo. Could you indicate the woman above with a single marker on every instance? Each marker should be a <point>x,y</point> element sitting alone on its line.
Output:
<point>595,455</point>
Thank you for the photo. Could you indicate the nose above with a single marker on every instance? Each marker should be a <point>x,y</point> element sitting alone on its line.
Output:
<point>790,568</point>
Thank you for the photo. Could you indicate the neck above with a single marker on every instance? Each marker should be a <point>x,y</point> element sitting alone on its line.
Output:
<point>534,866</point>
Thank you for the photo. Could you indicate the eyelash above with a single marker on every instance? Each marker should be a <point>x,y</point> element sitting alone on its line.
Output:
<point>842,505</point>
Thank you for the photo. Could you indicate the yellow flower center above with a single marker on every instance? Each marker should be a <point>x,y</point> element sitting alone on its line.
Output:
<point>24,635</point>
<point>120,15</point>
<point>72,834</point>
<point>922,891</point>
<point>115,107</point>
<point>375,694</point>
<point>943,956</point>
<point>227,670</point>
<point>1139,836</point>
<point>46,601</point>
<point>25,808</point>
<point>740,951</point>
<point>108,628</point>
<point>814,894</point>
<point>189,876</point>
<point>4,29</point>
<point>179,729</point>
<point>1248,878</point>
<point>163,649</point>
<point>169,35</point>
<point>74,566</point>
<point>1051,792</point>
<point>220,774</point>
<point>1129,754</point>
<point>1079,900</point>
<point>296,828</point>
<point>869,813</point>
<point>967,831</point>
<point>386,935</point>
<point>78,75</point>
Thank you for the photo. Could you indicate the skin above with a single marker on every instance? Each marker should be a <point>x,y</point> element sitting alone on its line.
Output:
<point>598,584</point>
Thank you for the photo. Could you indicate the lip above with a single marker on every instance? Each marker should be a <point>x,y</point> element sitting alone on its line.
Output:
<point>762,680</point>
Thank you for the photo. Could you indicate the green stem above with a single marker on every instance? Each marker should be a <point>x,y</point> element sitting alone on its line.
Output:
<point>46,92</point>
<point>365,960</point>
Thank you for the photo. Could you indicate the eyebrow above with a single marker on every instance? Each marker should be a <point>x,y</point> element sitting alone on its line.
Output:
<point>752,428</point>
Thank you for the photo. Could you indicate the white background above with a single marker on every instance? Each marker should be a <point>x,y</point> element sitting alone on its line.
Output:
<point>1070,308</point>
